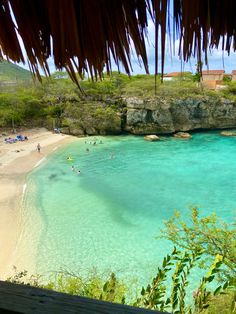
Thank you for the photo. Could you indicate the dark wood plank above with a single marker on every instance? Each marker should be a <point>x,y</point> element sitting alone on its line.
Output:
<point>27,299</point>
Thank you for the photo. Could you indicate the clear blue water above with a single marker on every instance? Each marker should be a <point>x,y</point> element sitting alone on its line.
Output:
<point>109,216</point>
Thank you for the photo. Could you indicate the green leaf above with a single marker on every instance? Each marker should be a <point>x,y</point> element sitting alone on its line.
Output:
<point>205,306</point>
<point>225,285</point>
<point>167,301</point>
<point>209,279</point>
<point>218,264</point>
<point>175,303</point>
<point>105,287</point>
<point>217,291</point>
<point>164,262</point>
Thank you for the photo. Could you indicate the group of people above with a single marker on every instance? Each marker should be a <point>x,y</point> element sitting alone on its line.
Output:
<point>94,142</point>
<point>75,170</point>
<point>19,137</point>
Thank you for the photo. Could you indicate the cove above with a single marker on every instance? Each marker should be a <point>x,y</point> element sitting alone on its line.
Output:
<point>109,216</point>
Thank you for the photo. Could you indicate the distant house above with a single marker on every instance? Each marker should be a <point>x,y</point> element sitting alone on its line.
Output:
<point>213,75</point>
<point>234,75</point>
<point>212,79</point>
<point>175,75</point>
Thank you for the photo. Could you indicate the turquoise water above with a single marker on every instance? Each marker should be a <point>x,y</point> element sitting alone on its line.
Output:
<point>109,216</point>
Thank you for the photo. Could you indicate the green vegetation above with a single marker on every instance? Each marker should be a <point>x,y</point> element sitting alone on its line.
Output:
<point>206,242</point>
<point>142,86</point>
<point>209,234</point>
<point>175,271</point>
<point>57,101</point>
<point>107,289</point>
<point>12,72</point>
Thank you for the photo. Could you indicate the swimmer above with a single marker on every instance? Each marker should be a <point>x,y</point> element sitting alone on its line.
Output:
<point>78,172</point>
<point>73,168</point>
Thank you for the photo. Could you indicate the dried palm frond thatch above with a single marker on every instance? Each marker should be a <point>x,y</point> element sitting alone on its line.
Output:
<point>87,34</point>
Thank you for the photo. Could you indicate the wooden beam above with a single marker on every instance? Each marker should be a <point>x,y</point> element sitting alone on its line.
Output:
<point>26,299</point>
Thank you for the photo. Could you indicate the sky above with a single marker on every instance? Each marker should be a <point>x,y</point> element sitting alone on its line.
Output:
<point>216,59</point>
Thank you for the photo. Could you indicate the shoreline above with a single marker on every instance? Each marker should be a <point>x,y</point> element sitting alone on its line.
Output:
<point>16,161</point>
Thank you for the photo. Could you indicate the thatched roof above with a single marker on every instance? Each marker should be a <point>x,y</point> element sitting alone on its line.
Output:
<point>86,34</point>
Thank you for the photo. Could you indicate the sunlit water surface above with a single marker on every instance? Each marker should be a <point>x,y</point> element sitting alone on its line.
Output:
<point>110,215</point>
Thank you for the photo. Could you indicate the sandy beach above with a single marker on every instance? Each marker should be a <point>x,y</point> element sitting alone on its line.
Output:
<point>16,161</point>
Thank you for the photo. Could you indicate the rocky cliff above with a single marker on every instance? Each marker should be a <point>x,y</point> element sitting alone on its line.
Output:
<point>165,116</point>
<point>153,115</point>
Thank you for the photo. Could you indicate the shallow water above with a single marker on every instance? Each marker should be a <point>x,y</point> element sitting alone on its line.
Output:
<point>109,216</point>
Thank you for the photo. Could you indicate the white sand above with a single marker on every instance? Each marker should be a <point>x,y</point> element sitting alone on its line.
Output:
<point>16,160</point>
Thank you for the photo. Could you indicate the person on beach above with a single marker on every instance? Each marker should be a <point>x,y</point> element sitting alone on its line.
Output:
<point>38,147</point>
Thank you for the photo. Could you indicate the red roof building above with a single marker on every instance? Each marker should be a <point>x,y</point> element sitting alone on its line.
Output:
<point>234,75</point>
<point>213,75</point>
<point>174,75</point>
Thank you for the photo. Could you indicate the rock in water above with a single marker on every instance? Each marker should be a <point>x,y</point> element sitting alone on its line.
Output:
<point>184,135</point>
<point>228,133</point>
<point>152,138</point>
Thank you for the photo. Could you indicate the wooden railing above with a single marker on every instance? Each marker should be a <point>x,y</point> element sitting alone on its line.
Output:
<point>16,298</point>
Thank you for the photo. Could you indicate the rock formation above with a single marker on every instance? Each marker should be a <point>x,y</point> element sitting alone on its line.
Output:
<point>156,115</point>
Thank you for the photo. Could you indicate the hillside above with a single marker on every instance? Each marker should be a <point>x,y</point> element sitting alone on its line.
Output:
<point>12,72</point>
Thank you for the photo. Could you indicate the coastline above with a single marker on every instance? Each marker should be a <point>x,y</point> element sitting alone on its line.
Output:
<point>16,161</point>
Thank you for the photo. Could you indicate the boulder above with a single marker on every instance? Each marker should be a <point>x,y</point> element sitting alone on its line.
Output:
<point>75,130</point>
<point>228,133</point>
<point>184,135</point>
<point>152,138</point>
<point>65,130</point>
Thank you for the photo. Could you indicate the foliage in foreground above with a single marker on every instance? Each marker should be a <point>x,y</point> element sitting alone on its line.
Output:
<point>209,234</point>
<point>157,295</point>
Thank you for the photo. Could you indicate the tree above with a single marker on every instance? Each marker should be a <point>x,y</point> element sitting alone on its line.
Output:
<point>197,75</point>
<point>208,233</point>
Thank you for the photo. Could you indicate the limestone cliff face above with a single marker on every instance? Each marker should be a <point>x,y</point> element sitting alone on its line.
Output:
<point>150,116</point>
<point>167,116</point>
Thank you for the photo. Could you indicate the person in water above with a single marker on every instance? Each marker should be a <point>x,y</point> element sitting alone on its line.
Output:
<point>69,158</point>
<point>78,172</point>
<point>73,168</point>
<point>39,147</point>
